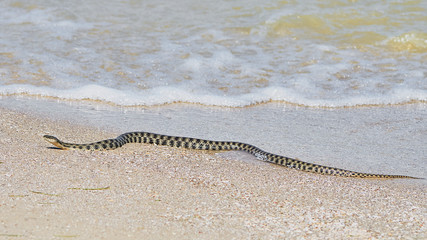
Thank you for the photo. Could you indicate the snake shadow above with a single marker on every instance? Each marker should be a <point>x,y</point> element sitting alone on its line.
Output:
<point>56,148</point>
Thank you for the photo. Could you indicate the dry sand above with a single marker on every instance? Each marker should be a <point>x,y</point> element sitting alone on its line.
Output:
<point>154,192</point>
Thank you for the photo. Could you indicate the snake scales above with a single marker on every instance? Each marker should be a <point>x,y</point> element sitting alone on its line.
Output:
<point>200,144</point>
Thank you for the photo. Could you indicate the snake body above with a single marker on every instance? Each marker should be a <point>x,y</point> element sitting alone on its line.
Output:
<point>201,144</point>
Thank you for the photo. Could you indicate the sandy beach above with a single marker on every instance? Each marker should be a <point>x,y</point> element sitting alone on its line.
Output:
<point>152,192</point>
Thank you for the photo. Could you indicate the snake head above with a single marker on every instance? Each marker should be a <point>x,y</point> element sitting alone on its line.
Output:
<point>54,140</point>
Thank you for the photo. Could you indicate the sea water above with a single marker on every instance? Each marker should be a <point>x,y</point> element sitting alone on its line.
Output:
<point>329,53</point>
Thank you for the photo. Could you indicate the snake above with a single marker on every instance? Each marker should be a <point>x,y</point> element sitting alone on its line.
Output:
<point>201,144</point>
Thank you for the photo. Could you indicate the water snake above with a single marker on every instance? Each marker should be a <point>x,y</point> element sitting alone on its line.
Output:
<point>201,144</point>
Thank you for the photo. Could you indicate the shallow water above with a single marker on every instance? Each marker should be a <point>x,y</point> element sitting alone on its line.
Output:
<point>387,140</point>
<point>225,53</point>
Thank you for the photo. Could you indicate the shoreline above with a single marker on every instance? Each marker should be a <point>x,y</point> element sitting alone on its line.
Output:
<point>385,140</point>
<point>151,191</point>
<point>88,101</point>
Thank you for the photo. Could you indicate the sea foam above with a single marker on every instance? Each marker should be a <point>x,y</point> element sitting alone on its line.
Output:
<point>167,95</point>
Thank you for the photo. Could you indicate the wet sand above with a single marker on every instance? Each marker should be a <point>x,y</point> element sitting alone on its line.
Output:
<point>153,192</point>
